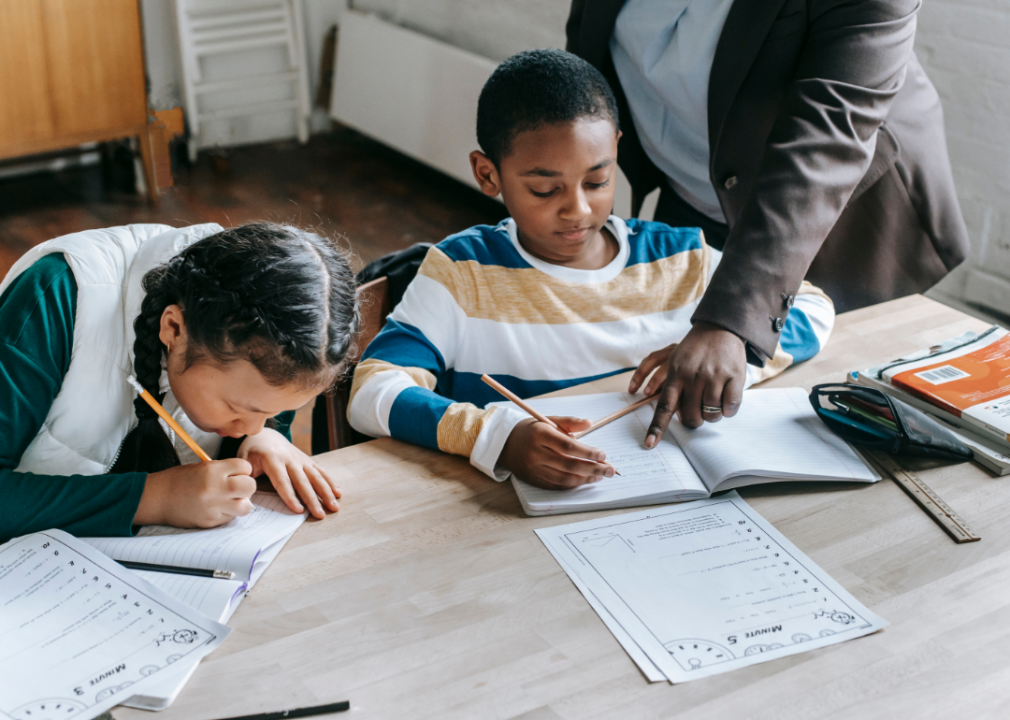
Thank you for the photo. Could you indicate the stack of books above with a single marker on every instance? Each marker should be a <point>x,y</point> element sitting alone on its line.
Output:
<point>963,382</point>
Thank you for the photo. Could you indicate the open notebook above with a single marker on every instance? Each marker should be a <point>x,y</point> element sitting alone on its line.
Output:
<point>246,546</point>
<point>775,436</point>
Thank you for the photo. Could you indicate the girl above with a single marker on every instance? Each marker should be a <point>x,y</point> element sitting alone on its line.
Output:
<point>229,329</point>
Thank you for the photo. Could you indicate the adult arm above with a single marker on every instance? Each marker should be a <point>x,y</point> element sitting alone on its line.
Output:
<point>36,338</point>
<point>819,149</point>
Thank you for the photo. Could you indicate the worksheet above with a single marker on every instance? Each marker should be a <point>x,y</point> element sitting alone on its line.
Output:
<point>79,633</point>
<point>215,598</point>
<point>708,586</point>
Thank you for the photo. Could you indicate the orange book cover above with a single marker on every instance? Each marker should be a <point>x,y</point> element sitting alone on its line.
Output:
<point>974,385</point>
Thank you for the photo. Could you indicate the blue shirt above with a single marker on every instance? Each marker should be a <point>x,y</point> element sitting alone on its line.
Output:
<point>663,52</point>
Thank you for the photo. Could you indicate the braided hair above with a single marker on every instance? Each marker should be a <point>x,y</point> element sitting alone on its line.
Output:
<point>275,295</point>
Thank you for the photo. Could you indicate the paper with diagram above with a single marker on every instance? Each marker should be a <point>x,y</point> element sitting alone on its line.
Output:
<point>708,586</point>
<point>79,633</point>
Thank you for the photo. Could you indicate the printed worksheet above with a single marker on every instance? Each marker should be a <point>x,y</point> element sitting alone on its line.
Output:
<point>708,586</point>
<point>79,633</point>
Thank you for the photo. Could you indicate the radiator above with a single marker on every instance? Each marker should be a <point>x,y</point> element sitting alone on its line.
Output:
<point>416,94</point>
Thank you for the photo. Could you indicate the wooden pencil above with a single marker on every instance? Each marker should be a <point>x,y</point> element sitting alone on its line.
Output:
<point>615,415</point>
<point>518,401</point>
<point>176,427</point>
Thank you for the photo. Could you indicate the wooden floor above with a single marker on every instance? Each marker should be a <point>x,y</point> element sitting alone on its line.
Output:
<point>341,184</point>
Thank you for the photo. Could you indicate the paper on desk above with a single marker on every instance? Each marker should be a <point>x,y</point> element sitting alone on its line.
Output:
<point>79,633</point>
<point>708,586</point>
<point>217,599</point>
<point>638,656</point>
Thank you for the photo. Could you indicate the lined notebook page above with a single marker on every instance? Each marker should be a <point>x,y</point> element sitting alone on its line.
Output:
<point>644,473</point>
<point>215,598</point>
<point>775,434</point>
<point>233,546</point>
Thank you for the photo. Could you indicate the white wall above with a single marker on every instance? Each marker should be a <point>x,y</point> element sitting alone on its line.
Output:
<point>965,48</point>
<point>962,44</point>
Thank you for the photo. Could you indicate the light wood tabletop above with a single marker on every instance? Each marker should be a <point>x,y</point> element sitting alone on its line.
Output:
<point>429,595</point>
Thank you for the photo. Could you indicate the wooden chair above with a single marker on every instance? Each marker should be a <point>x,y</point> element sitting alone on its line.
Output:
<point>375,305</point>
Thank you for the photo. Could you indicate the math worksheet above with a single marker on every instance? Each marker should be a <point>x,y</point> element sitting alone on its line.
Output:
<point>79,633</point>
<point>705,587</point>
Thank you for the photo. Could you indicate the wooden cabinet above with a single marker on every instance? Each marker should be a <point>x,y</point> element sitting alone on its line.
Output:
<point>71,72</point>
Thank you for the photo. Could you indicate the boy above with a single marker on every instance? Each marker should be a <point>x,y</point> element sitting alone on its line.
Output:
<point>559,294</point>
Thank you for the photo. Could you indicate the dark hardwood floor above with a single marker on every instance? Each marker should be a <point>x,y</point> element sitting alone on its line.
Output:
<point>340,184</point>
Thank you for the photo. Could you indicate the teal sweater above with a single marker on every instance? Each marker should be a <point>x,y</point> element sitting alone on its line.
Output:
<point>37,314</point>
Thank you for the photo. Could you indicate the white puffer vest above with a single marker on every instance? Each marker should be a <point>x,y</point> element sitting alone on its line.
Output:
<point>93,411</point>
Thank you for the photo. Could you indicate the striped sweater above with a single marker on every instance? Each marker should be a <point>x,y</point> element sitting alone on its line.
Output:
<point>481,304</point>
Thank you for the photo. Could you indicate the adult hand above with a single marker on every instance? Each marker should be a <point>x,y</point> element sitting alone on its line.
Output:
<point>540,455</point>
<point>293,473</point>
<point>200,495</point>
<point>705,370</point>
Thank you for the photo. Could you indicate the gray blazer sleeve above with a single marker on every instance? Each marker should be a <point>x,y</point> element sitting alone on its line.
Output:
<point>819,149</point>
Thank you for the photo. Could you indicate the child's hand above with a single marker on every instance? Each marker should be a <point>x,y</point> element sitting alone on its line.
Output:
<point>540,455</point>
<point>200,495</point>
<point>291,471</point>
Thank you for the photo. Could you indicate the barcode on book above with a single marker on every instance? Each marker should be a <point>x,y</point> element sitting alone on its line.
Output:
<point>942,374</point>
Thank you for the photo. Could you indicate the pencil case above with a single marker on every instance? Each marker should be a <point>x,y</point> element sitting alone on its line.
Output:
<point>873,419</point>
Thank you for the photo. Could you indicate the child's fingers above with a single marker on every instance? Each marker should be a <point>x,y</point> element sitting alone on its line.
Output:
<point>278,475</point>
<point>651,362</point>
<point>568,465</point>
<point>571,424</point>
<point>560,480</point>
<point>322,488</point>
<point>565,445</point>
<point>306,492</point>
<point>329,480</point>
<point>239,507</point>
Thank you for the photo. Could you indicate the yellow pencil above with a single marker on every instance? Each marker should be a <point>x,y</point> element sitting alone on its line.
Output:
<point>156,406</point>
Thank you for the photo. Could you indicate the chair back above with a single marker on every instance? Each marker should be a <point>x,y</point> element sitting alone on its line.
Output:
<point>374,305</point>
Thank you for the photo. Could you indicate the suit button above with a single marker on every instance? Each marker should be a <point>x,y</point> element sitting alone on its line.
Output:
<point>730,182</point>
<point>789,300</point>
<point>777,324</point>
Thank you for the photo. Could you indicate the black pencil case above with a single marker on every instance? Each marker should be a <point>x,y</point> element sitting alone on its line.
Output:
<point>873,419</point>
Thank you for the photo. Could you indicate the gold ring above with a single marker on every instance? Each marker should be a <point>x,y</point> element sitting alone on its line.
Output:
<point>714,410</point>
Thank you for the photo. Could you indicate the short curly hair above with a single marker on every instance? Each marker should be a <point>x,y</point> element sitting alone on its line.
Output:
<point>536,88</point>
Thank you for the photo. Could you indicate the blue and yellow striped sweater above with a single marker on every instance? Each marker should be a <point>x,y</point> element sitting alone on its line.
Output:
<point>482,304</point>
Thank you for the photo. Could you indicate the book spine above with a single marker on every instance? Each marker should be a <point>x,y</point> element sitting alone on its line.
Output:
<point>990,430</point>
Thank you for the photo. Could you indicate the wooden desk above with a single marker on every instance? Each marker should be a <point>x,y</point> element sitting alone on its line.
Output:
<point>430,595</point>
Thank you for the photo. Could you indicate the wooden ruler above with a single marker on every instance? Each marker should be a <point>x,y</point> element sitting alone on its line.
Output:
<point>933,504</point>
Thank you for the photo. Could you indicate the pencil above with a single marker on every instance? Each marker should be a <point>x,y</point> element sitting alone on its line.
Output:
<point>615,415</point>
<point>515,398</point>
<point>149,399</point>
<point>538,416</point>
<point>175,569</point>
<point>298,712</point>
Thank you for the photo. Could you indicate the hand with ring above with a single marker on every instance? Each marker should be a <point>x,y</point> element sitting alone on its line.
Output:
<point>702,379</point>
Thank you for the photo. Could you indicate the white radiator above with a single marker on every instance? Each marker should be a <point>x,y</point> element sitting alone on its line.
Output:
<point>415,94</point>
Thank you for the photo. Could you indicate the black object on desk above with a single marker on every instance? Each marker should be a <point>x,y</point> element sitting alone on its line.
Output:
<point>298,712</point>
